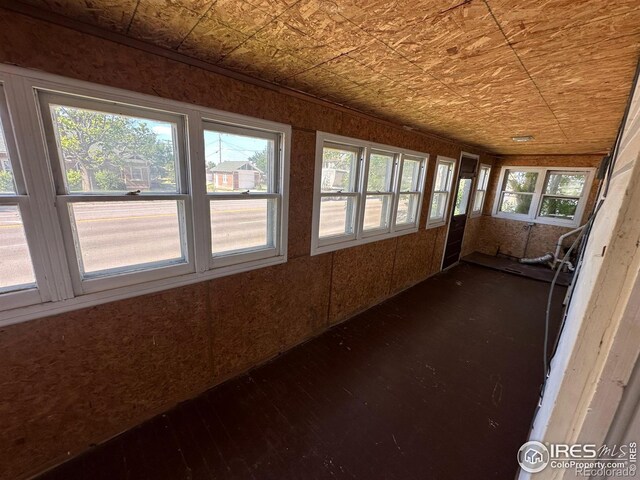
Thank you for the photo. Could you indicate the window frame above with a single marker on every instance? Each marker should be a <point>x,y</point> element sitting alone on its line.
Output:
<point>51,259</point>
<point>476,213</point>
<point>364,149</point>
<point>440,222</point>
<point>533,216</point>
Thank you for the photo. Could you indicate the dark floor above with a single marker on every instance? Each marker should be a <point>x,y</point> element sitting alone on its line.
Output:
<point>439,382</point>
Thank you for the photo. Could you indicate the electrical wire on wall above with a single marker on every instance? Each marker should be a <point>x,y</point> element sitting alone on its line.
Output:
<point>608,168</point>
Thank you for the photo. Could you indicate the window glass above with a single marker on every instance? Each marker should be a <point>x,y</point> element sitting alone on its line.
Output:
<point>336,216</point>
<point>443,174</point>
<point>516,203</point>
<point>565,184</point>
<point>517,181</point>
<point>16,271</point>
<point>477,204</point>
<point>380,172</point>
<point>238,163</point>
<point>338,169</point>
<point>126,235</point>
<point>438,205</point>
<point>108,152</point>
<point>7,185</point>
<point>462,197</point>
<point>407,208</point>
<point>410,175</point>
<point>242,224</point>
<point>376,212</point>
<point>554,207</point>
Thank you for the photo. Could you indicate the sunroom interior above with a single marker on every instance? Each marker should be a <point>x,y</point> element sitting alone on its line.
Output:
<point>315,239</point>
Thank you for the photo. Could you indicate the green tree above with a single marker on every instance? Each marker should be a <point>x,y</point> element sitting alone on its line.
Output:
<point>260,160</point>
<point>95,141</point>
<point>74,180</point>
<point>109,181</point>
<point>6,181</point>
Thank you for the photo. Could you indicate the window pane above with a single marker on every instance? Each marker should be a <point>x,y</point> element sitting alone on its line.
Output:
<point>516,203</point>
<point>462,197</point>
<point>477,204</point>
<point>380,171</point>
<point>564,208</point>
<point>520,181</point>
<point>566,184</point>
<point>107,152</point>
<point>237,163</point>
<point>443,177</point>
<point>438,204</point>
<point>16,271</point>
<point>407,208</point>
<point>336,216</point>
<point>410,175</point>
<point>376,212</point>
<point>127,235</point>
<point>338,169</point>
<point>7,184</point>
<point>242,224</point>
<point>483,178</point>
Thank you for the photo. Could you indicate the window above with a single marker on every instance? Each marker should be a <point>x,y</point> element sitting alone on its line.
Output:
<point>543,195</point>
<point>114,223</point>
<point>481,190</point>
<point>244,209</point>
<point>18,283</point>
<point>364,192</point>
<point>443,179</point>
<point>121,203</point>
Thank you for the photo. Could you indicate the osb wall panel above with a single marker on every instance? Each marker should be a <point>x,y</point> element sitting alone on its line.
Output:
<point>265,311</point>
<point>361,278</point>
<point>89,374</point>
<point>75,379</point>
<point>516,238</point>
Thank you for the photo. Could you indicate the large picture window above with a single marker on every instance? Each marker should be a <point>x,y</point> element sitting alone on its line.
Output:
<point>127,194</point>
<point>364,192</point>
<point>543,195</point>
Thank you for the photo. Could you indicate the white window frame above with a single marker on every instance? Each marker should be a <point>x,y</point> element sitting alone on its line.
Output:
<point>439,222</point>
<point>476,189</point>
<point>364,150</point>
<point>52,256</point>
<point>533,215</point>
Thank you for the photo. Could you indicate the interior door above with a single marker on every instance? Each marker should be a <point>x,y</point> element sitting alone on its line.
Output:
<point>459,212</point>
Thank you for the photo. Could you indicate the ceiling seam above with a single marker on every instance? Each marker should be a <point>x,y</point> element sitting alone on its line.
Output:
<point>133,15</point>
<point>525,68</point>
<point>195,25</point>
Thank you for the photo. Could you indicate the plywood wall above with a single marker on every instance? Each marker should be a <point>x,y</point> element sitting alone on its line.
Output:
<point>491,235</point>
<point>75,379</point>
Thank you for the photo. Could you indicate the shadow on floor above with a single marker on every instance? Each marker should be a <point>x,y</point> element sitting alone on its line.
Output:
<point>439,382</point>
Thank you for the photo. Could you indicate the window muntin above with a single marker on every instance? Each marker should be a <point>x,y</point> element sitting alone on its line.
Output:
<point>364,192</point>
<point>242,189</point>
<point>481,189</point>
<point>93,147</point>
<point>543,195</point>
<point>443,180</point>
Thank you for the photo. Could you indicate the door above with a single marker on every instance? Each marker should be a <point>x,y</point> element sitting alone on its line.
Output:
<point>460,210</point>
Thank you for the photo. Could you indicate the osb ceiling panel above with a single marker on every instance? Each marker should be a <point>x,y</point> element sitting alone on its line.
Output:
<point>478,71</point>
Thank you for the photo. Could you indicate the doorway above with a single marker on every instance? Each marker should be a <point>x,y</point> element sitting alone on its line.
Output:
<point>460,210</point>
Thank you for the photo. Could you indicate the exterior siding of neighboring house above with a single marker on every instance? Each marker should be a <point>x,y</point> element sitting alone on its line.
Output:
<point>236,176</point>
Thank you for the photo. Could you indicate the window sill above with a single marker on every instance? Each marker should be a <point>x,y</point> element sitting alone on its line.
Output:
<point>332,247</point>
<point>18,315</point>
<point>440,223</point>
<point>539,221</point>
